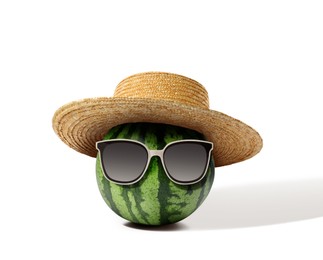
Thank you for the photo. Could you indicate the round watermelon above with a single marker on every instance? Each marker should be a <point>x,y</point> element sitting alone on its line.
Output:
<point>155,199</point>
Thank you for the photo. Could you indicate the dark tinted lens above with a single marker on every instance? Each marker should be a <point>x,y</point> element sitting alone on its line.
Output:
<point>123,162</point>
<point>186,162</point>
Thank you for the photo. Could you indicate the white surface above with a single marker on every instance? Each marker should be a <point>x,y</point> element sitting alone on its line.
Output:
<point>261,61</point>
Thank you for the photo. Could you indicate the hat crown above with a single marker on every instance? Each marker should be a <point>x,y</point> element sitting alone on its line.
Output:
<point>164,86</point>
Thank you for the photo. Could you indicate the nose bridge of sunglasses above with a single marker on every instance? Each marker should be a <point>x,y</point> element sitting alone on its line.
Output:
<point>158,153</point>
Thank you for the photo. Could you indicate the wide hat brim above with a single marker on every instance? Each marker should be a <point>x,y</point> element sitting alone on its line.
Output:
<point>80,124</point>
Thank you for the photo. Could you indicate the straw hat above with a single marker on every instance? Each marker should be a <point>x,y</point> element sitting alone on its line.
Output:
<point>158,98</point>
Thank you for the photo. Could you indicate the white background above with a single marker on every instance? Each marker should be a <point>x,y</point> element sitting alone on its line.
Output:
<point>261,62</point>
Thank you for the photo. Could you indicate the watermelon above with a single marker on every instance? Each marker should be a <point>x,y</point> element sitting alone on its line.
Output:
<point>155,199</point>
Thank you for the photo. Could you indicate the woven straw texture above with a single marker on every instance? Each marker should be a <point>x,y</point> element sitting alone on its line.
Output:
<point>156,97</point>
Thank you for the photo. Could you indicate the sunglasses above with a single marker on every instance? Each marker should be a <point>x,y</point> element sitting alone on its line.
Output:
<point>125,162</point>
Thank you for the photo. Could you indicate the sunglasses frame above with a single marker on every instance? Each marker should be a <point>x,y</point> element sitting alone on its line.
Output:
<point>160,153</point>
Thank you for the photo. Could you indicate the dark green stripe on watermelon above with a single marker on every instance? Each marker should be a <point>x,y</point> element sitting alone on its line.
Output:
<point>113,133</point>
<point>155,200</point>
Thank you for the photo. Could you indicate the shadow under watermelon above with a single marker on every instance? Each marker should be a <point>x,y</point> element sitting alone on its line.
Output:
<point>170,227</point>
